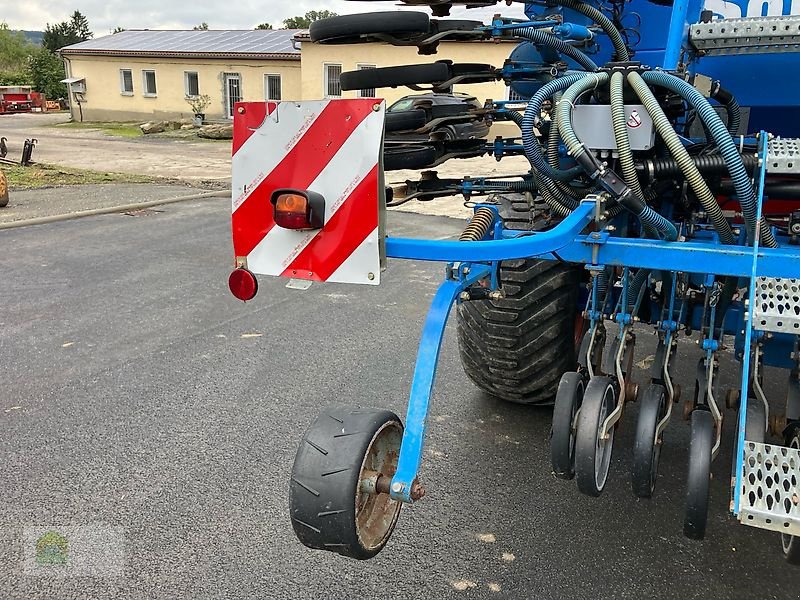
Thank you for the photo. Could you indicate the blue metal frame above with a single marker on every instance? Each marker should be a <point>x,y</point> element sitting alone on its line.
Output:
<point>748,344</point>
<point>425,375</point>
<point>567,242</point>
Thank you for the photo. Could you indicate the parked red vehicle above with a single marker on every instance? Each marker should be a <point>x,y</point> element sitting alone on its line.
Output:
<point>15,99</point>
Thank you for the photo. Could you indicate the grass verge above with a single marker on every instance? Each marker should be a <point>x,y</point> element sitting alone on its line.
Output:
<point>38,175</point>
<point>126,130</point>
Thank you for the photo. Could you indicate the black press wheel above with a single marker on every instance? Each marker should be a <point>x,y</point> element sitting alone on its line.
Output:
<point>791,543</point>
<point>562,435</point>
<point>646,451</point>
<point>593,454</point>
<point>340,452</point>
<point>350,29</point>
<point>699,476</point>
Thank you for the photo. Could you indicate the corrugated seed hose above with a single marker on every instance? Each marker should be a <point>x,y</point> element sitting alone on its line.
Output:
<point>620,124</point>
<point>678,151</point>
<point>745,193</point>
<point>529,121</point>
<point>559,203</point>
<point>650,219</point>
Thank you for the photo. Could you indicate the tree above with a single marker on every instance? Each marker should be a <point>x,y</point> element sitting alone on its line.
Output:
<point>264,26</point>
<point>305,21</point>
<point>117,30</point>
<point>202,27</point>
<point>46,70</point>
<point>80,25</point>
<point>66,33</point>
<point>14,53</point>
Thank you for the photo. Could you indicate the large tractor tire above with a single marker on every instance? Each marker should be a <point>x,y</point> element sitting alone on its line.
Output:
<point>517,348</point>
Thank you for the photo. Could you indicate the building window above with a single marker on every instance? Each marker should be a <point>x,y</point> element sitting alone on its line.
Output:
<point>126,82</point>
<point>367,92</point>
<point>191,84</point>
<point>333,81</point>
<point>272,88</point>
<point>149,82</point>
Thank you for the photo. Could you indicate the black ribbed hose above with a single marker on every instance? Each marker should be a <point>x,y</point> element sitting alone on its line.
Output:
<point>708,164</point>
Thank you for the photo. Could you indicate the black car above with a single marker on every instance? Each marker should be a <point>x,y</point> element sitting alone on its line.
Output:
<point>454,116</point>
<point>424,130</point>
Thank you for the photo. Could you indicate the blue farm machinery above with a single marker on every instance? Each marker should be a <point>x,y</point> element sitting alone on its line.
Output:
<point>663,193</point>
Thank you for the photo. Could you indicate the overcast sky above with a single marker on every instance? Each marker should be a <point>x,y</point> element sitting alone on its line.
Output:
<point>105,15</point>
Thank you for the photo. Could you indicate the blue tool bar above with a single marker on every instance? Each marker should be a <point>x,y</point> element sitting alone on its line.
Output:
<point>686,257</point>
<point>564,242</point>
<point>424,375</point>
<point>494,250</point>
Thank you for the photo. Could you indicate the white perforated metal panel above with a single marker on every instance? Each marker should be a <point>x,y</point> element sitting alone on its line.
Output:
<point>747,35</point>
<point>770,495</point>
<point>776,306</point>
<point>784,155</point>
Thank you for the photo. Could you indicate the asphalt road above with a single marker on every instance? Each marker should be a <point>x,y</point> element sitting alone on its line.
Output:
<point>138,394</point>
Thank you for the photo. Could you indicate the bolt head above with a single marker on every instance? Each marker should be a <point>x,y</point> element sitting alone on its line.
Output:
<point>397,487</point>
<point>240,110</point>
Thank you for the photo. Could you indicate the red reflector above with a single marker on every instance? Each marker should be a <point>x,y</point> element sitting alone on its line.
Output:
<point>243,284</point>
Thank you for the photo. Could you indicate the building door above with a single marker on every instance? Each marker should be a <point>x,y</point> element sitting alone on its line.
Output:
<point>233,91</point>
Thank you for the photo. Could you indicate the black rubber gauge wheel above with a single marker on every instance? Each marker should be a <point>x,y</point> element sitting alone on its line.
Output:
<point>646,452</point>
<point>562,434</point>
<point>699,475</point>
<point>328,502</point>
<point>349,29</point>
<point>593,454</point>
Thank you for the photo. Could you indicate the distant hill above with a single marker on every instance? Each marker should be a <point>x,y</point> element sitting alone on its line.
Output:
<point>34,37</point>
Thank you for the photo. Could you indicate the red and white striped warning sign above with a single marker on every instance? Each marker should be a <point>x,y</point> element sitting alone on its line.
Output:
<point>330,147</point>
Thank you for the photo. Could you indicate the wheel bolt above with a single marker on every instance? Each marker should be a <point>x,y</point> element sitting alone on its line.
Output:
<point>397,487</point>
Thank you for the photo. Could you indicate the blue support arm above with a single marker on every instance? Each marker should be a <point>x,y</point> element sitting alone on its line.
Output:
<point>424,376</point>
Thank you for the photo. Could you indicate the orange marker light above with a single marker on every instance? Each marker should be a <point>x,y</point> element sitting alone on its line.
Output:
<point>291,203</point>
<point>294,209</point>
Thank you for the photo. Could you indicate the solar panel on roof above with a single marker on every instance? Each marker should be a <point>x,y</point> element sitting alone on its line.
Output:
<point>194,42</point>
